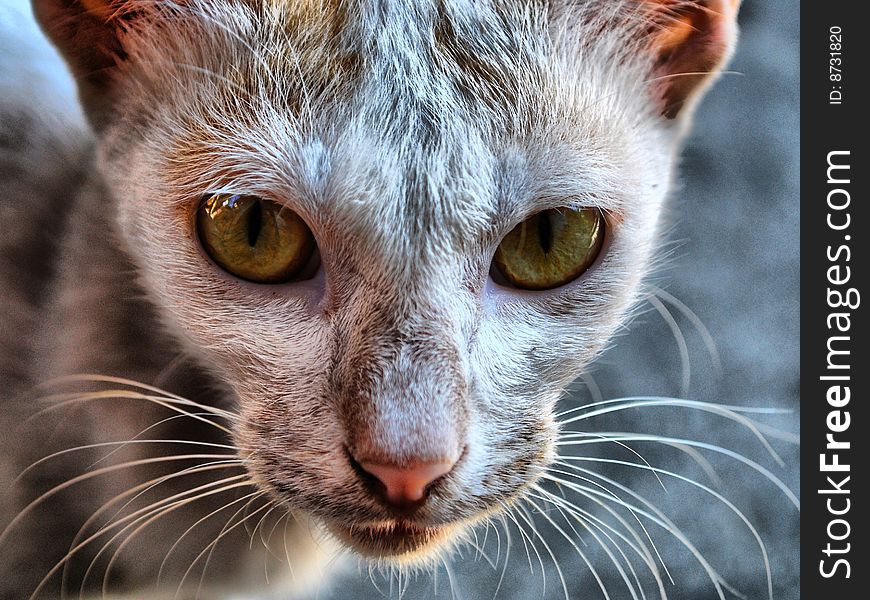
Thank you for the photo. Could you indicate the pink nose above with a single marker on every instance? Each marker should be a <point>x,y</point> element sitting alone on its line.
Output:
<point>406,486</point>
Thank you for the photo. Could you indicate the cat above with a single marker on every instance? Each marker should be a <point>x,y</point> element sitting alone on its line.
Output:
<point>318,268</point>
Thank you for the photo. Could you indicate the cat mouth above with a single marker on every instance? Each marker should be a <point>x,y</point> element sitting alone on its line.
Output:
<point>395,539</point>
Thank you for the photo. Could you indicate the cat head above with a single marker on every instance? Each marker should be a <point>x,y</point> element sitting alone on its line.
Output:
<point>396,230</point>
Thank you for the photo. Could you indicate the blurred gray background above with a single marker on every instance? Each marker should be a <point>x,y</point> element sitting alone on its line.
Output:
<point>734,261</point>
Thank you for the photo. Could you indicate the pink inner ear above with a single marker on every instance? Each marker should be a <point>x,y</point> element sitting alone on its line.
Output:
<point>691,42</point>
<point>87,37</point>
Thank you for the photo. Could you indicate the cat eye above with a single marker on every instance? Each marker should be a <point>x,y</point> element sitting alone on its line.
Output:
<point>255,239</point>
<point>551,248</point>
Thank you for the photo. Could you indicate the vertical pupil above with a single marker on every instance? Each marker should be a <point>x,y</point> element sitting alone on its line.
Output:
<point>255,223</point>
<point>545,231</point>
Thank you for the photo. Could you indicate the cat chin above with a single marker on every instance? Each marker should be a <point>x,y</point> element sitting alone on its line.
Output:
<point>398,542</point>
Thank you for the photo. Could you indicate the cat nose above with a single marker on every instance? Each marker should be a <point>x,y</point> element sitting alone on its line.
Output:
<point>406,487</point>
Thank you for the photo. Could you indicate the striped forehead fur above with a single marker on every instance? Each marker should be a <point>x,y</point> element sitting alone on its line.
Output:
<point>426,106</point>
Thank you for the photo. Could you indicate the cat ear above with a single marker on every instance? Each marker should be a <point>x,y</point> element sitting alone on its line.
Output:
<point>87,34</point>
<point>690,40</point>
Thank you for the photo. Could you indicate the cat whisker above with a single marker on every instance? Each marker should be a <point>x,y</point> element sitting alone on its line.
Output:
<point>577,549</point>
<point>451,580</point>
<point>614,436</point>
<point>168,403</point>
<point>117,445</point>
<point>242,510</point>
<point>258,528</point>
<point>96,378</point>
<point>543,495</point>
<point>479,552</point>
<point>729,412</point>
<point>139,529</point>
<point>632,584</point>
<point>778,434</point>
<point>555,475</point>
<point>182,442</point>
<point>656,516</point>
<point>99,472</point>
<point>226,531</point>
<point>371,573</point>
<point>486,525</point>
<point>692,453</point>
<point>692,74</point>
<point>507,514</point>
<point>137,491</point>
<point>660,520</point>
<point>190,470</point>
<point>149,515</point>
<point>602,438</point>
<point>287,516</point>
<point>610,495</point>
<point>528,518</point>
<point>522,515</point>
<point>507,554</point>
<point>135,515</point>
<point>587,519</point>
<point>402,582</point>
<point>737,512</point>
<point>696,322</point>
<point>267,542</point>
<point>186,532</point>
<point>684,403</point>
<point>679,338</point>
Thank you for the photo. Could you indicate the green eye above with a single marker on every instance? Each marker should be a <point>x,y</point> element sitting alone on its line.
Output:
<point>551,248</point>
<point>253,238</point>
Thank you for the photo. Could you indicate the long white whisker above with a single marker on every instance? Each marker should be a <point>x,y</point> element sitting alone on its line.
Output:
<point>696,444</point>
<point>102,531</point>
<point>679,338</point>
<point>586,519</point>
<point>577,549</point>
<point>696,322</point>
<point>724,411</point>
<point>528,519</point>
<point>102,471</point>
<point>692,453</point>
<point>508,512</point>
<point>604,437</point>
<point>656,516</point>
<point>173,405</point>
<point>451,579</point>
<point>197,523</point>
<point>664,401</point>
<point>133,535</point>
<point>168,396</point>
<point>640,545</point>
<point>223,530</point>
<point>214,543</point>
<point>116,445</point>
<point>737,512</point>
<point>136,492</point>
<point>602,491</point>
<point>507,554</point>
<point>151,514</point>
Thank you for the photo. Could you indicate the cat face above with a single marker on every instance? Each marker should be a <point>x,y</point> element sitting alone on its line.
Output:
<point>401,389</point>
